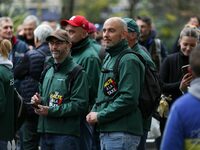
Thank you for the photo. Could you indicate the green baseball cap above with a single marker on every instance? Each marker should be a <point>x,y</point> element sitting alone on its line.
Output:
<point>132,26</point>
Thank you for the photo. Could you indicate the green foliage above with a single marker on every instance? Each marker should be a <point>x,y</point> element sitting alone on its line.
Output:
<point>168,16</point>
<point>16,14</point>
<point>94,10</point>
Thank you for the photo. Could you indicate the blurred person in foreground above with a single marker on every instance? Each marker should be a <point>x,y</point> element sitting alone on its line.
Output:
<point>183,124</point>
<point>116,111</point>
<point>19,47</point>
<point>7,128</point>
<point>61,103</point>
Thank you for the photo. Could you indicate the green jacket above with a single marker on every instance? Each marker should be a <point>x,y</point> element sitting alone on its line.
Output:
<point>137,48</point>
<point>6,104</point>
<point>117,104</point>
<point>95,45</point>
<point>65,108</point>
<point>84,54</point>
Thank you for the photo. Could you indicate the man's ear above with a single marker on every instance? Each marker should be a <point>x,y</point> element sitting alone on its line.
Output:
<point>124,34</point>
<point>84,33</point>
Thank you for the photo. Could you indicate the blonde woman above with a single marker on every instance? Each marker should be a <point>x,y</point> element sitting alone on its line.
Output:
<point>6,95</point>
<point>175,82</point>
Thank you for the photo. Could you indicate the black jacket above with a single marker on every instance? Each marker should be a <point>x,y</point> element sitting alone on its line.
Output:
<point>29,70</point>
<point>171,74</point>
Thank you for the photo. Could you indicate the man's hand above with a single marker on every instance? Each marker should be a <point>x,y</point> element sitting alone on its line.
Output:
<point>43,110</point>
<point>92,118</point>
<point>36,99</point>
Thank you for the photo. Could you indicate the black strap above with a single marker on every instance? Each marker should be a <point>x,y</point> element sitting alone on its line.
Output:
<point>44,72</point>
<point>124,52</point>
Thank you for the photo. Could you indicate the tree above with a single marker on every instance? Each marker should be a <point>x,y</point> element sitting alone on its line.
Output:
<point>94,10</point>
<point>67,8</point>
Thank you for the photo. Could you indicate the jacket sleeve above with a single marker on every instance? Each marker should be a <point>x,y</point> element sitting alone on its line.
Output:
<point>92,67</point>
<point>22,68</point>
<point>131,75</point>
<point>78,99</point>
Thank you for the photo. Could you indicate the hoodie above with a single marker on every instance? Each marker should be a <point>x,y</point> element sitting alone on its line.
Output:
<point>6,62</point>
<point>183,125</point>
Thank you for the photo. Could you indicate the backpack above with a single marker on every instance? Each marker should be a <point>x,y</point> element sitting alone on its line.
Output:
<point>155,51</point>
<point>151,90</point>
<point>19,109</point>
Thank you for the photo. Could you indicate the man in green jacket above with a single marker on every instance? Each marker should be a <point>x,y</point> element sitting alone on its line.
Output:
<point>132,38</point>
<point>116,109</point>
<point>84,54</point>
<point>60,109</point>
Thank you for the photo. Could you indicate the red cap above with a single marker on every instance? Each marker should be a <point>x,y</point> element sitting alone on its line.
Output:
<point>92,28</point>
<point>76,21</point>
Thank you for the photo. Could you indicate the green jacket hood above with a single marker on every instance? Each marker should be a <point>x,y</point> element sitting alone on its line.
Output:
<point>6,62</point>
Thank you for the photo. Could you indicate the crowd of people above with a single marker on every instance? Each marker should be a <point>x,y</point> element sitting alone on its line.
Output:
<point>71,97</point>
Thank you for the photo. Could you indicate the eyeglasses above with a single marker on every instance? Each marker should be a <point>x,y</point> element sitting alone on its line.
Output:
<point>56,42</point>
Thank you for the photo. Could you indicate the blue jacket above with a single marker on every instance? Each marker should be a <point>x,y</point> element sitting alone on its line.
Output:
<point>183,126</point>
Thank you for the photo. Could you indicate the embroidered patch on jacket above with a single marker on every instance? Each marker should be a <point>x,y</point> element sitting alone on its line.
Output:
<point>55,99</point>
<point>110,87</point>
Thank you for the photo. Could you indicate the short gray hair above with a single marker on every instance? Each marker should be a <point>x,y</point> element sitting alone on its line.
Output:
<point>42,32</point>
<point>31,18</point>
<point>5,19</point>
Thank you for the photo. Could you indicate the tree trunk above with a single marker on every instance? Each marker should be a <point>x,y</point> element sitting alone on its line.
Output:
<point>67,8</point>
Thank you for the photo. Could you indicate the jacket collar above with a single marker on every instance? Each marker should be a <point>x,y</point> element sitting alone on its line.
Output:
<point>81,45</point>
<point>135,47</point>
<point>116,49</point>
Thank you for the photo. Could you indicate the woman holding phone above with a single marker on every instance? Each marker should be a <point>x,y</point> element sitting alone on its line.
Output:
<point>175,82</point>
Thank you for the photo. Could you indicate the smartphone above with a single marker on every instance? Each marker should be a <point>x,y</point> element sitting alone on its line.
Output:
<point>185,69</point>
<point>34,105</point>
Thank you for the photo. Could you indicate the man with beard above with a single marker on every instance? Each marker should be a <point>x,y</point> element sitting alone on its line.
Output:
<point>60,107</point>
<point>116,110</point>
